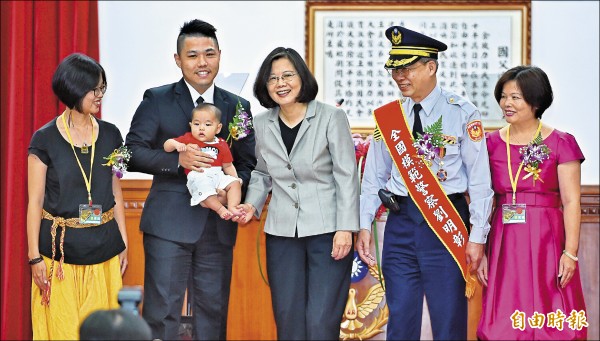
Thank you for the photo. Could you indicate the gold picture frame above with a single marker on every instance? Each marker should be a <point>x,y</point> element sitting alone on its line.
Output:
<point>346,49</point>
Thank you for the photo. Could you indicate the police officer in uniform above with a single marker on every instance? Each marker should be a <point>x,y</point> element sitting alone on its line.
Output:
<point>414,260</point>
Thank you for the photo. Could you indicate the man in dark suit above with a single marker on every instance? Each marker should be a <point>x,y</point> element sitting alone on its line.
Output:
<point>180,239</point>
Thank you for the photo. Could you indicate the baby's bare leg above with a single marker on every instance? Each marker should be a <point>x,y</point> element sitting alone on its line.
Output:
<point>214,204</point>
<point>234,197</point>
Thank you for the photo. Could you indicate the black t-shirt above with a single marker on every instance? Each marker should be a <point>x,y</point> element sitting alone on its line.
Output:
<point>65,191</point>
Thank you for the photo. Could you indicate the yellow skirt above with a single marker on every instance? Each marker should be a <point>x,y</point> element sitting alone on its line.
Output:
<point>84,289</point>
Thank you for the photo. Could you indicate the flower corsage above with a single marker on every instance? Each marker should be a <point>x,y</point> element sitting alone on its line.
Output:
<point>430,144</point>
<point>361,148</point>
<point>118,161</point>
<point>532,157</point>
<point>241,125</point>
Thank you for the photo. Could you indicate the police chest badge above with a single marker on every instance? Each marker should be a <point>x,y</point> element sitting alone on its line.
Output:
<point>475,130</point>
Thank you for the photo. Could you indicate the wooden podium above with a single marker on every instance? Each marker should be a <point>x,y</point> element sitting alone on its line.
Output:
<point>250,311</point>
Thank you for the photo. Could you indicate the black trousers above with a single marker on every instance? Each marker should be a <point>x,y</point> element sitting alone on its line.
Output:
<point>309,288</point>
<point>168,267</point>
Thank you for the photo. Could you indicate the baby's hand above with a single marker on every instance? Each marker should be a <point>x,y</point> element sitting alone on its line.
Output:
<point>181,147</point>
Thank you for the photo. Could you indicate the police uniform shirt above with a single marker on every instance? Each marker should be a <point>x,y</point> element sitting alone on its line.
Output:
<point>466,161</point>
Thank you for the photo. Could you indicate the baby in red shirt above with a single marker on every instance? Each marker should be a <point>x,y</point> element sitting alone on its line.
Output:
<point>205,125</point>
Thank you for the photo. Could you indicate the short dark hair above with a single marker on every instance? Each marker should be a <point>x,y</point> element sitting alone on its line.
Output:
<point>210,107</point>
<point>196,28</point>
<point>75,76</point>
<point>309,89</point>
<point>114,324</point>
<point>533,83</point>
<point>426,60</point>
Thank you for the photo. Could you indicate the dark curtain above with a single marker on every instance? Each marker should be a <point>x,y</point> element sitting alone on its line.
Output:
<point>36,36</point>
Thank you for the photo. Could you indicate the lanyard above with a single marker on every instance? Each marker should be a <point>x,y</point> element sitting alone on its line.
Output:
<point>513,181</point>
<point>88,183</point>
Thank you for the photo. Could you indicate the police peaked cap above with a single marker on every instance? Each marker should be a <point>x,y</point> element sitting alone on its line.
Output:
<point>409,46</point>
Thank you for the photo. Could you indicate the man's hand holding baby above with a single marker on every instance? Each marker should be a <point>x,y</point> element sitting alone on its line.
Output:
<point>193,158</point>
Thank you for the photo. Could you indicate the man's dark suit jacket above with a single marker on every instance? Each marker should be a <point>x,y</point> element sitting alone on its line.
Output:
<point>165,112</point>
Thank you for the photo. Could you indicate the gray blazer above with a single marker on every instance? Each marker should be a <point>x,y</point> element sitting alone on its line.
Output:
<point>315,188</point>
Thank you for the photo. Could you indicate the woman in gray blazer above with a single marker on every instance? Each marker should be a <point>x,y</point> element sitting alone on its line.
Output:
<point>306,159</point>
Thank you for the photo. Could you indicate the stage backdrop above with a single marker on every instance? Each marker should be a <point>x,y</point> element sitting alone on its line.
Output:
<point>36,36</point>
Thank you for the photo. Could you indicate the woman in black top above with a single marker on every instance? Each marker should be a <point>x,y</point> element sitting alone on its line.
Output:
<point>75,217</point>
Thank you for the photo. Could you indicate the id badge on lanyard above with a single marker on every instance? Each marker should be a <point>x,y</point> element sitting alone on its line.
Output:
<point>90,214</point>
<point>514,213</point>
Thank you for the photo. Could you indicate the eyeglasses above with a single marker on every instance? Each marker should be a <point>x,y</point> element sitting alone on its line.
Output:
<point>286,77</point>
<point>99,90</point>
<point>404,71</point>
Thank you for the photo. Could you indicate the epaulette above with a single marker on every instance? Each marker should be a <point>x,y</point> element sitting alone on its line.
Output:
<point>454,99</point>
<point>462,102</point>
<point>377,134</point>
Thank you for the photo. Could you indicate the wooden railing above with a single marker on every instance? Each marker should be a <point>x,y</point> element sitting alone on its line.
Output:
<point>588,257</point>
<point>250,312</point>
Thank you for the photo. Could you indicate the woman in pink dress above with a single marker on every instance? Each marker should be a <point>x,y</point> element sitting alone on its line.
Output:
<point>532,289</point>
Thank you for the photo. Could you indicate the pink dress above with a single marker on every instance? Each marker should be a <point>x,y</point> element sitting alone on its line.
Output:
<point>523,259</point>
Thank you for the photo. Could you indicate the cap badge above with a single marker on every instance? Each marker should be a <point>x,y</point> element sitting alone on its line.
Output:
<point>396,36</point>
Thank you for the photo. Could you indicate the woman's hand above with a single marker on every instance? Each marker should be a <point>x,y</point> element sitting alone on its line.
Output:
<point>247,216</point>
<point>482,271</point>
<point>38,272</point>
<point>342,243</point>
<point>566,270</point>
<point>123,261</point>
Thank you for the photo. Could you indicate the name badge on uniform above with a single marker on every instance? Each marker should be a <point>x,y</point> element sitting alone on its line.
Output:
<point>513,214</point>
<point>90,214</point>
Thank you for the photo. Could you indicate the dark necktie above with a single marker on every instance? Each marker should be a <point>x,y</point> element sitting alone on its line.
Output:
<point>200,100</point>
<point>417,126</point>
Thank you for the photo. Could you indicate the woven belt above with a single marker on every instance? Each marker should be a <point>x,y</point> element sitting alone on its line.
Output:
<point>531,199</point>
<point>62,222</point>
